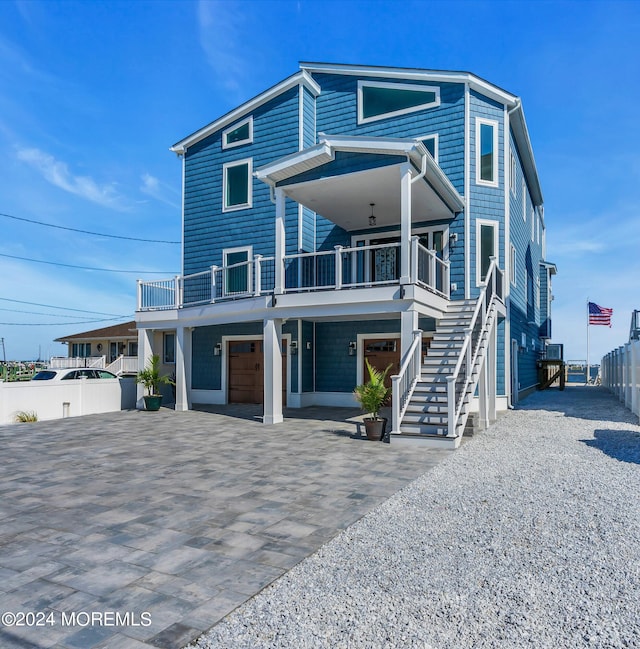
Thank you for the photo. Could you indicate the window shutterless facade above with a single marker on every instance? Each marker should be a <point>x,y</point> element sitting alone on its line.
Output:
<point>512,265</point>
<point>238,134</point>
<point>379,100</point>
<point>237,186</point>
<point>81,350</point>
<point>486,152</point>
<point>512,175</point>
<point>431,144</point>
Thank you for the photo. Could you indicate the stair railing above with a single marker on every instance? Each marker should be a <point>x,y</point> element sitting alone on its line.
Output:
<point>458,383</point>
<point>404,382</point>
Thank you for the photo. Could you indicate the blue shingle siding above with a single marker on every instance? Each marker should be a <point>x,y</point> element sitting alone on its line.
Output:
<point>308,230</point>
<point>336,371</point>
<point>207,229</point>
<point>309,119</point>
<point>337,113</point>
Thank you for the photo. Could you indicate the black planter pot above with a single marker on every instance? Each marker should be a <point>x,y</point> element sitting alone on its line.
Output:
<point>375,428</point>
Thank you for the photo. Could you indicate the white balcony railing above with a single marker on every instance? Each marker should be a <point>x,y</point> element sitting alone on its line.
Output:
<point>338,269</point>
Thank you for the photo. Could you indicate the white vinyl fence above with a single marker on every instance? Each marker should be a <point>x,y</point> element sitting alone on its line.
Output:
<point>58,399</point>
<point>620,369</point>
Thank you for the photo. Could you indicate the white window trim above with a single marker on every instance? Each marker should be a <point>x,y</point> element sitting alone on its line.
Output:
<point>228,251</point>
<point>513,268</point>
<point>480,121</point>
<point>496,249</point>
<point>233,127</point>
<point>395,86</point>
<point>524,202</point>
<point>436,143</point>
<point>249,203</point>
<point>513,177</point>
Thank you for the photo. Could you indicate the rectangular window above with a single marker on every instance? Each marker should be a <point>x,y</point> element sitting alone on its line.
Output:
<point>237,193</point>
<point>512,175</point>
<point>379,100</point>
<point>169,348</point>
<point>238,134</point>
<point>512,265</point>
<point>524,202</point>
<point>81,350</point>
<point>133,349</point>
<point>533,224</point>
<point>237,275</point>
<point>486,247</point>
<point>486,152</point>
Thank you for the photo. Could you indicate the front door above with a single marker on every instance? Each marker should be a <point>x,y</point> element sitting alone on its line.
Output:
<point>381,353</point>
<point>246,371</point>
<point>385,262</point>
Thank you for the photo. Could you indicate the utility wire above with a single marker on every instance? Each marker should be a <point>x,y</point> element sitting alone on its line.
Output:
<point>54,315</point>
<point>103,270</point>
<point>95,234</point>
<point>63,308</point>
<point>53,324</point>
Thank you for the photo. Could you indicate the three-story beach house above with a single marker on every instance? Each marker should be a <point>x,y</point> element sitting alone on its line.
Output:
<point>352,213</point>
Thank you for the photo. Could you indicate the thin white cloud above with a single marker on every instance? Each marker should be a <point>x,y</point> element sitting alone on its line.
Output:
<point>162,192</point>
<point>58,174</point>
<point>223,40</point>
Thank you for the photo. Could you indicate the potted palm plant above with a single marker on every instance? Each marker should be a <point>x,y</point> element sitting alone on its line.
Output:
<point>372,396</point>
<point>151,378</point>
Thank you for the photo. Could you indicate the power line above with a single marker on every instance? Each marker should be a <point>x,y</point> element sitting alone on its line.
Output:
<point>55,315</point>
<point>53,324</point>
<point>95,234</point>
<point>102,270</point>
<point>62,308</point>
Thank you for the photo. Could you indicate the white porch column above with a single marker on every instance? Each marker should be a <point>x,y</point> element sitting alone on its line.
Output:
<point>405,223</point>
<point>145,352</point>
<point>492,369</point>
<point>272,330</point>
<point>183,367</point>
<point>280,242</point>
<point>408,324</point>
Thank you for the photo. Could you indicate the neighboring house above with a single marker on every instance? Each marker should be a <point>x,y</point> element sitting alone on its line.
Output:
<point>353,213</point>
<point>114,348</point>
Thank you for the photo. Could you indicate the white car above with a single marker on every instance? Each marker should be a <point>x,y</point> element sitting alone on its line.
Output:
<point>89,373</point>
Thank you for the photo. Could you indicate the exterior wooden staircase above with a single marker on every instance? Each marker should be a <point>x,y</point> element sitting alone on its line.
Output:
<point>437,402</point>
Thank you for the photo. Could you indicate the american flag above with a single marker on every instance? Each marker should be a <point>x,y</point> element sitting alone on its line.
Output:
<point>599,315</point>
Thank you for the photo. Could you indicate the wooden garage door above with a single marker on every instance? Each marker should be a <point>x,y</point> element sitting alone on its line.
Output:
<point>246,371</point>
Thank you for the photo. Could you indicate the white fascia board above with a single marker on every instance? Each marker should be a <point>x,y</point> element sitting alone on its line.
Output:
<point>550,266</point>
<point>313,157</point>
<point>302,78</point>
<point>523,142</point>
<point>443,76</point>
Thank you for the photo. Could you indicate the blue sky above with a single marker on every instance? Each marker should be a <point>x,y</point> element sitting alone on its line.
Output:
<point>93,94</point>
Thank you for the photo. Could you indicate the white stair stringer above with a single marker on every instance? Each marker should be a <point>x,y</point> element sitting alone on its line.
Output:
<point>426,418</point>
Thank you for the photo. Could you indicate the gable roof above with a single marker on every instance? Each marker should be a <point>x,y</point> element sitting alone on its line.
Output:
<point>122,330</point>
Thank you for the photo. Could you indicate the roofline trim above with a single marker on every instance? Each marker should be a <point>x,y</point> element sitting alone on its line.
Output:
<point>301,78</point>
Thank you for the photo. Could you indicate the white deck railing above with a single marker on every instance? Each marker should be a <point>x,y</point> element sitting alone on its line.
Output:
<point>404,382</point>
<point>64,362</point>
<point>123,365</point>
<point>337,269</point>
<point>461,379</point>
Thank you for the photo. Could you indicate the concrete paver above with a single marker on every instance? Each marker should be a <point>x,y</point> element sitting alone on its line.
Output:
<point>178,515</point>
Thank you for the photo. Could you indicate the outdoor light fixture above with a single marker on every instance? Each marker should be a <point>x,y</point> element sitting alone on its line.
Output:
<point>453,237</point>
<point>372,218</point>
<point>293,348</point>
<point>352,348</point>
<point>217,350</point>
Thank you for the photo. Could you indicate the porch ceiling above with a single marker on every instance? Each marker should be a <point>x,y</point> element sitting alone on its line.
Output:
<point>346,200</point>
<point>345,197</point>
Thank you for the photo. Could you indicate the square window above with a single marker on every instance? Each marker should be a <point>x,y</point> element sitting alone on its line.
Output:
<point>237,193</point>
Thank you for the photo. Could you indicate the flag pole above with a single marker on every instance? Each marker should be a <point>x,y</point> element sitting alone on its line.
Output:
<point>587,341</point>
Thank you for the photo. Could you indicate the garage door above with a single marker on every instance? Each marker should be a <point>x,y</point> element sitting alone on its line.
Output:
<point>246,371</point>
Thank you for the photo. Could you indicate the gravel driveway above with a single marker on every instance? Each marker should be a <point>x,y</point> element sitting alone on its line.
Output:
<point>525,537</point>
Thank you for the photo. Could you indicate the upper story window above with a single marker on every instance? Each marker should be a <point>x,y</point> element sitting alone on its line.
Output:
<point>169,348</point>
<point>512,175</point>
<point>379,100</point>
<point>431,144</point>
<point>486,247</point>
<point>486,152</point>
<point>236,185</point>
<point>238,134</point>
<point>512,265</point>
<point>524,202</point>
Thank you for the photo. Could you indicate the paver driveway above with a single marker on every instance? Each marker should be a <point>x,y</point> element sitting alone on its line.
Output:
<point>159,524</point>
